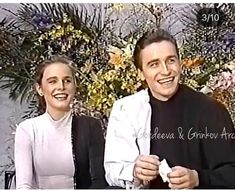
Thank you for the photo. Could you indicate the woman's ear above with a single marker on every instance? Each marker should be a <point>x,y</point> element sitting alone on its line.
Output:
<point>39,89</point>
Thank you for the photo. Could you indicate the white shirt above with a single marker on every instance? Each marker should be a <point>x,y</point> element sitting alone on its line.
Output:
<point>43,153</point>
<point>129,128</point>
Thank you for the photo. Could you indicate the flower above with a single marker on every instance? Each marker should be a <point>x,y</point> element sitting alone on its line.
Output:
<point>119,79</point>
<point>192,63</point>
<point>120,57</point>
<point>118,6</point>
<point>116,56</point>
<point>224,80</point>
<point>230,65</point>
<point>42,20</point>
<point>222,95</point>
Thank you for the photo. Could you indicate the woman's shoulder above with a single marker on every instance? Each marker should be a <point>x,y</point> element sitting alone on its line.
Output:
<point>85,120</point>
<point>30,122</point>
<point>87,123</point>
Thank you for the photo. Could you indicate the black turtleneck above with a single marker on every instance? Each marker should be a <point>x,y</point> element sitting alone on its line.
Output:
<point>179,133</point>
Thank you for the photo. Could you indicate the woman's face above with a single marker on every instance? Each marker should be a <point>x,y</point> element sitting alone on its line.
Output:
<point>57,87</point>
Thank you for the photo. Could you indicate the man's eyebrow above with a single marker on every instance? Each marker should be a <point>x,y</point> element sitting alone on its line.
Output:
<point>154,60</point>
<point>70,77</point>
<point>51,78</point>
<point>171,56</point>
<point>157,60</point>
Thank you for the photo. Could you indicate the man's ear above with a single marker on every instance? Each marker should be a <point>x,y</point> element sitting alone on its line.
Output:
<point>38,89</point>
<point>180,63</point>
<point>141,75</point>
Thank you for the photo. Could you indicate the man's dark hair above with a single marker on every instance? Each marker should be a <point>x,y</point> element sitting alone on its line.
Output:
<point>149,38</point>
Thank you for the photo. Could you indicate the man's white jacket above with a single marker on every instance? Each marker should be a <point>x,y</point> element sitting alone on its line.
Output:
<point>128,136</point>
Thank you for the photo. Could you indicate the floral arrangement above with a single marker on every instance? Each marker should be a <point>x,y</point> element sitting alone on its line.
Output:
<point>42,32</point>
<point>102,53</point>
<point>103,59</point>
<point>100,42</point>
<point>119,79</point>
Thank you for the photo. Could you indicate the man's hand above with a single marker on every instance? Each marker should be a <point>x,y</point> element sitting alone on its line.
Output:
<point>146,168</point>
<point>183,178</point>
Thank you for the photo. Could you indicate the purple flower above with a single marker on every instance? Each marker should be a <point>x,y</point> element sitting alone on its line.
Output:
<point>229,40</point>
<point>225,42</point>
<point>211,47</point>
<point>42,20</point>
<point>229,36</point>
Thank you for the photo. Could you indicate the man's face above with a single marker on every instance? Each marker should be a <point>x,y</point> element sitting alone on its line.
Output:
<point>161,69</point>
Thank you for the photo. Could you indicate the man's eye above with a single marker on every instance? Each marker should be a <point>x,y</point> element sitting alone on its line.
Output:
<point>154,64</point>
<point>171,61</point>
<point>68,81</point>
<point>52,81</point>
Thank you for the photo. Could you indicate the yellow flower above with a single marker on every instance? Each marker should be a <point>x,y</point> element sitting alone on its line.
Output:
<point>119,57</point>
<point>192,83</point>
<point>192,63</point>
<point>118,6</point>
<point>222,96</point>
<point>116,59</point>
<point>128,51</point>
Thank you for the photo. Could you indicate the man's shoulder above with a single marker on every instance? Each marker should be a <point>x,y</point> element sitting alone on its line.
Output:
<point>140,96</point>
<point>200,99</point>
<point>132,102</point>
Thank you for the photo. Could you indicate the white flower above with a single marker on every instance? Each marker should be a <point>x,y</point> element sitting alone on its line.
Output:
<point>230,65</point>
<point>206,90</point>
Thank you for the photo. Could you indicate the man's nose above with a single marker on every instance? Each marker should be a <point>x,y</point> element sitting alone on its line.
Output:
<point>165,69</point>
<point>61,85</point>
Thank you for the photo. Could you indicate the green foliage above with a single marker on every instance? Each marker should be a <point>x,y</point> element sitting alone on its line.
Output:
<point>84,35</point>
<point>39,32</point>
<point>100,40</point>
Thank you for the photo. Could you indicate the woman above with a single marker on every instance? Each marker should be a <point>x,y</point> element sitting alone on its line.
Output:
<point>57,150</point>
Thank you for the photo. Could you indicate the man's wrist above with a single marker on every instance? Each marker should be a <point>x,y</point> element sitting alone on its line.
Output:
<point>196,178</point>
<point>136,181</point>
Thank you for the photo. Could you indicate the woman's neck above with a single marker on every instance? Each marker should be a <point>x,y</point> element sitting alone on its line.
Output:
<point>57,115</point>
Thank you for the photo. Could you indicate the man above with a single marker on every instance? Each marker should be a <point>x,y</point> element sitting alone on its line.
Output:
<point>192,131</point>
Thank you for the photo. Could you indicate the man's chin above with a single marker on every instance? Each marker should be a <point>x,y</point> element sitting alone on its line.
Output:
<point>167,93</point>
<point>171,92</point>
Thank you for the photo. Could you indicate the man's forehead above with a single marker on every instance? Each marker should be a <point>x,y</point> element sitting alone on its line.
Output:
<point>159,49</point>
